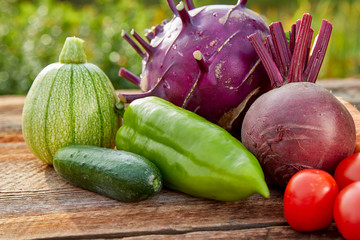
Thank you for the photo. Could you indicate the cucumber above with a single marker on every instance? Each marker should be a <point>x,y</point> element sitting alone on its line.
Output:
<point>120,175</point>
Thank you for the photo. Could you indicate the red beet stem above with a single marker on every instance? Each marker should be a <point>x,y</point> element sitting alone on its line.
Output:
<point>133,44</point>
<point>189,4</point>
<point>148,48</point>
<point>318,52</point>
<point>129,76</point>
<point>281,46</point>
<point>298,23</point>
<point>298,60</point>
<point>183,14</point>
<point>308,47</point>
<point>291,60</point>
<point>292,37</point>
<point>270,47</point>
<point>267,61</point>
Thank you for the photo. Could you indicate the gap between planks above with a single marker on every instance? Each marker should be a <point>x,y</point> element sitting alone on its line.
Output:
<point>169,232</point>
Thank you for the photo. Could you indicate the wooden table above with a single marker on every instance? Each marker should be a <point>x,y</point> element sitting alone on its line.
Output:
<point>35,203</point>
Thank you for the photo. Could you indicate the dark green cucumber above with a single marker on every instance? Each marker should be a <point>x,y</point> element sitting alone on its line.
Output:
<point>120,175</point>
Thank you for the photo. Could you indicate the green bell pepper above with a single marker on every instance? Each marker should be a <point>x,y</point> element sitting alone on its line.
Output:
<point>194,155</point>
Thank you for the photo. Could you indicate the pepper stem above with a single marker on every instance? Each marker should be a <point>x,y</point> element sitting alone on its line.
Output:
<point>73,51</point>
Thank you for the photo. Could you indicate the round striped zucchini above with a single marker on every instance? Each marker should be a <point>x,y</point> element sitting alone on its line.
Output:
<point>70,102</point>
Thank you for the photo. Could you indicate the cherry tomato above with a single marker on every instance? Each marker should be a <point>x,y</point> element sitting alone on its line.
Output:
<point>348,171</point>
<point>347,211</point>
<point>309,199</point>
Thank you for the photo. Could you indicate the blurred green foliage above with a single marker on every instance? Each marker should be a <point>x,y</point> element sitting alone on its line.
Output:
<point>33,32</point>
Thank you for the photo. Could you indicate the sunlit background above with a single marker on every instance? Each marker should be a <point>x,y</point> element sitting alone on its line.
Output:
<point>33,32</point>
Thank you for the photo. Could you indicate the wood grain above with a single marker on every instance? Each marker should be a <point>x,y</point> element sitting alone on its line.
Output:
<point>10,118</point>
<point>35,203</point>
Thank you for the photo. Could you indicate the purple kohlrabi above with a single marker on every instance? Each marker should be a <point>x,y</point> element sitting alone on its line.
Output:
<point>202,61</point>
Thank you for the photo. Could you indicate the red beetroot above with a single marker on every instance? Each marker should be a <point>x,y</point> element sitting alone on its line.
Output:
<point>202,60</point>
<point>298,124</point>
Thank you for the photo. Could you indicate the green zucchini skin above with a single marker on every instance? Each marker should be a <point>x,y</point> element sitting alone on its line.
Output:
<point>70,102</point>
<point>120,175</point>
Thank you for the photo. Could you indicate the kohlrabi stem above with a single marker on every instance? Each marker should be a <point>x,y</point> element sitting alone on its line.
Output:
<point>190,4</point>
<point>158,29</point>
<point>242,3</point>
<point>150,35</point>
<point>133,44</point>
<point>203,64</point>
<point>129,76</point>
<point>131,97</point>
<point>172,6</point>
<point>184,14</point>
<point>148,48</point>
<point>73,51</point>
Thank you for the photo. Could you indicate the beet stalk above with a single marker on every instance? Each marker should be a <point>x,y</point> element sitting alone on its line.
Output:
<point>298,124</point>
<point>292,62</point>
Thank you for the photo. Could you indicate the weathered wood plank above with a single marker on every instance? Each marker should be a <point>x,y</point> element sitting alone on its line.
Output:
<point>273,232</point>
<point>36,203</point>
<point>10,118</point>
<point>348,89</point>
